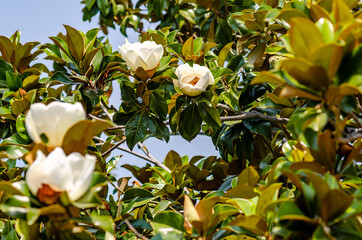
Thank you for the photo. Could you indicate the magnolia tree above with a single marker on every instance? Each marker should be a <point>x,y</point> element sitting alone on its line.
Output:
<point>275,84</point>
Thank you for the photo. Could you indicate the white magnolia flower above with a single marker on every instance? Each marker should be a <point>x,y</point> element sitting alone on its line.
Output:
<point>48,124</point>
<point>193,80</point>
<point>58,173</point>
<point>146,55</point>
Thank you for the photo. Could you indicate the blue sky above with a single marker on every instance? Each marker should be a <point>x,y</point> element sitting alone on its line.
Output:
<point>39,19</point>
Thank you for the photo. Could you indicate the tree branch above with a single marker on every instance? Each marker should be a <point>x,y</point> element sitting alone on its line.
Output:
<point>129,225</point>
<point>154,161</point>
<point>351,137</point>
<point>254,114</point>
<point>247,115</point>
<point>113,147</point>
<point>225,107</point>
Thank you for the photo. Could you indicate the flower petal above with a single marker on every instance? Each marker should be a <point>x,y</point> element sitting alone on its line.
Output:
<point>191,91</point>
<point>52,120</point>
<point>35,175</point>
<point>82,170</point>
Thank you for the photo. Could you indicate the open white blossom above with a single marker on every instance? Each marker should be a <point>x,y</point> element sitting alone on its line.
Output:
<point>193,80</point>
<point>146,55</point>
<point>48,124</point>
<point>60,173</point>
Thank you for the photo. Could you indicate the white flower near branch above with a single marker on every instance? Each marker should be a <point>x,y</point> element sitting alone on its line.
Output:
<point>193,80</point>
<point>146,55</point>
<point>51,175</point>
<point>48,124</point>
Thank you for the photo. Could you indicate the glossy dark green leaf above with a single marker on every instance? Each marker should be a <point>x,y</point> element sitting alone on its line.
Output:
<point>136,129</point>
<point>14,81</point>
<point>250,93</point>
<point>62,77</point>
<point>190,122</point>
<point>143,196</point>
<point>259,126</point>
<point>210,115</point>
<point>158,105</point>
<point>223,32</point>
<point>158,129</point>
<point>104,6</point>
<point>129,98</point>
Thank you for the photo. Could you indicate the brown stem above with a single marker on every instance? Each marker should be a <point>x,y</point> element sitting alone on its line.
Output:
<point>351,137</point>
<point>154,161</point>
<point>129,225</point>
<point>253,114</point>
<point>113,147</point>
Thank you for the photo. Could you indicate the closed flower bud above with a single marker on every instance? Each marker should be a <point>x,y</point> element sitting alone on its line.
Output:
<point>48,124</point>
<point>146,55</point>
<point>51,175</point>
<point>193,80</point>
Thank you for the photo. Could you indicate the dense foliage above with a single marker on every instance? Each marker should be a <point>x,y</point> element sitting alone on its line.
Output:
<point>276,84</point>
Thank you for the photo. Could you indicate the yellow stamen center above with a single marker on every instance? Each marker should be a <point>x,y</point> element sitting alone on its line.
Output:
<point>194,81</point>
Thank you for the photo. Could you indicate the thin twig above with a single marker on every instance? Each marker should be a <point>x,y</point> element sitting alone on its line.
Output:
<point>113,147</point>
<point>129,225</point>
<point>116,127</point>
<point>355,118</point>
<point>157,163</point>
<point>94,117</point>
<point>144,149</point>
<point>105,110</point>
<point>351,137</point>
<point>225,107</point>
<point>150,157</point>
<point>253,114</point>
<point>118,189</point>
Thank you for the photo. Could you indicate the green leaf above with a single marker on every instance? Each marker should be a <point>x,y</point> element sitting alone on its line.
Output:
<point>129,98</point>
<point>250,93</point>
<point>223,32</point>
<point>327,29</point>
<point>136,129</point>
<point>224,53</point>
<point>158,129</point>
<point>158,105</point>
<point>169,223</point>
<point>173,160</point>
<point>259,126</point>
<point>103,222</point>
<point>305,37</point>
<point>104,6</point>
<point>188,47</point>
<point>210,115</point>
<point>267,197</point>
<point>89,3</point>
<point>140,223</point>
<point>62,77</point>
<point>14,81</point>
<point>75,43</point>
<point>143,196</point>
<point>20,128</point>
<point>80,135</point>
<point>12,235</point>
<point>190,122</point>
